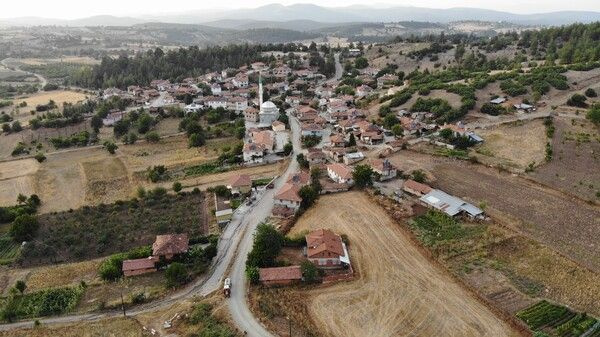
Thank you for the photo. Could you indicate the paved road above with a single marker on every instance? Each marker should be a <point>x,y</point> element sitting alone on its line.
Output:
<point>43,81</point>
<point>238,306</point>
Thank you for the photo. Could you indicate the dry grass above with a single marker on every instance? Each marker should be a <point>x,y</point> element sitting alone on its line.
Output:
<point>115,327</point>
<point>66,59</point>
<point>62,275</point>
<point>400,291</point>
<point>515,145</point>
<point>58,96</point>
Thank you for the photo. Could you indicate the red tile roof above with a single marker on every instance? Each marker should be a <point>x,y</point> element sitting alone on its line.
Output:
<point>417,187</point>
<point>170,244</point>
<point>289,192</point>
<point>323,240</point>
<point>240,181</point>
<point>299,178</point>
<point>137,264</point>
<point>280,273</point>
<point>341,170</point>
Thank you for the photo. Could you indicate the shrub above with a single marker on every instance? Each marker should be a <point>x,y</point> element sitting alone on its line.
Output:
<point>310,273</point>
<point>40,157</point>
<point>176,274</point>
<point>591,93</point>
<point>177,187</point>
<point>577,100</point>
<point>152,137</point>
<point>492,109</point>
<point>24,227</point>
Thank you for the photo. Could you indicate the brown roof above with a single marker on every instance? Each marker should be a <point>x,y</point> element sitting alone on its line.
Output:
<point>240,181</point>
<point>170,244</point>
<point>138,264</point>
<point>299,178</point>
<point>288,192</point>
<point>341,170</point>
<point>280,273</point>
<point>322,240</point>
<point>415,186</point>
<point>381,164</point>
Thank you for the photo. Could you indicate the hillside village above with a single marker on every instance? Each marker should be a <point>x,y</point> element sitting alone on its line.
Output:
<point>305,180</point>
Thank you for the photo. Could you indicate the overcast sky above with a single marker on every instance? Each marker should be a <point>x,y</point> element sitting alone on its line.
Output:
<point>70,9</point>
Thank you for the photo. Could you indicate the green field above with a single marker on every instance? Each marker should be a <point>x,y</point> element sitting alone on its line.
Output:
<point>558,320</point>
<point>9,250</point>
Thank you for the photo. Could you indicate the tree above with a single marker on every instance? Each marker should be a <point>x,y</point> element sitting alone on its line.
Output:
<point>419,176</point>
<point>176,274</point>
<point>131,138</point>
<point>16,126</point>
<point>144,123</point>
<point>196,140</point>
<point>267,245</point>
<point>252,274</point>
<point>594,114</point>
<point>6,127</point>
<point>20,285</point>
<point>352,140</point>
<point>446,134</point>
<point>398,130</point>
<point>152,137</point>
<point>21,198</point>
<point>309,195</point>
<point>222,191</point>
<point>40,157</point>
<point>310,273</point>
<point>591,93</point>
<point>177,187</point>
<point>288,148</point>
<point>110,146</point>
<point>24,227</point>
<point>361,63</point>
<point>577,100</point>
<point>390,120</point>
<point>96,123</point>
<point>363,176</point>
<point>304,164</point>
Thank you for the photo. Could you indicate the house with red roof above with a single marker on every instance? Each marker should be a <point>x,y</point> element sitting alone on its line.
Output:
<point>240,184</point>
<point>139,266</point>
<point>340,173</point>
<point>169,245</point>
<point>279,276</point>
<point>416,188</point>
<point>288,197</point>
<point>326,249</point>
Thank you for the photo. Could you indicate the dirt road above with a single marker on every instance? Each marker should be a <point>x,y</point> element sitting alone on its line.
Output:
<point>400,292</point>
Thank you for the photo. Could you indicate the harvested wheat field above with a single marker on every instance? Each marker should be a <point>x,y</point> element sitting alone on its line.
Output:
<point>514,145</point>
<point>400,292</point>
<point>58,96</point>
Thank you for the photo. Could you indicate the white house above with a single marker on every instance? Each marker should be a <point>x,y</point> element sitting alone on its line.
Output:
<point>288,197</point>
<point>194,107</point>
<point>215,89</point>
<point>340,173</point>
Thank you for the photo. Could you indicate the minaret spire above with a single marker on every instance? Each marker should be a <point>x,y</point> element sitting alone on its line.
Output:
<point>260,90</point>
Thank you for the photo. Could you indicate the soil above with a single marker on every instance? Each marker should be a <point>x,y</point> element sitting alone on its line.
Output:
<point>400,291</point>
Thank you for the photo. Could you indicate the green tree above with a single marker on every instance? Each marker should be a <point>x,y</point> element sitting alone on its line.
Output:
<point>152,137</point>
<point>24,227</point>
<point>398,130</point>
<point>302,162</point>
<point>196,140</point>
<point>130,138</point>
<point>352,140</point>
<point>267,245</point>
<point>96,123</point>
<point>446,134</point>
<point>594,114</point>
<point>177,187</point>
<point>176,274</point>
<point>16,126</point>
<point>361,63</point>
<point>110,146</point>
<point>591,93</point>
<point>419,176</point>
<point>21,198</point>
<point>144,123</point>
<point>310,273</point>
<point>363,176</point>
<point>577,100</point>
<point>252,274</point>
<point>20,285</point>
<point>390,120</point>
<point>288,148</point>
<point>309,196</point>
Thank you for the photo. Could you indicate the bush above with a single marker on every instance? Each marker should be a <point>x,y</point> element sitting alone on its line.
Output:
<point>176,274</point>
<point>267,245</point>
<point>591,93</point>
<point>310,273</point>
<point>40,157</point>
<point>577,100</point>
<point>177,187</point>
<point>492,109</point>
<point>42,303</point>
<point>152,137</point>
<point>24,228</point>
<point>593,115</point>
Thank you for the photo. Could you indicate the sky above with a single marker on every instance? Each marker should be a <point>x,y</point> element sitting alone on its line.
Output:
<point>72,9</point>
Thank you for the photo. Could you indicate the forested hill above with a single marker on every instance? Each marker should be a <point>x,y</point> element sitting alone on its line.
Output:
<point>173,65</point>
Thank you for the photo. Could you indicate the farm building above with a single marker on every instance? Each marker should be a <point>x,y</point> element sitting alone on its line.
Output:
<point>288,197</point>
<point>449,204</point>
<point>415,188</point>
<point>325,249</point>
<point>223,210</point>
<point>170,245</point>
<point>280,275</point>
<point>340,173</point>
<point>139,266</point>
<point>384,169</point>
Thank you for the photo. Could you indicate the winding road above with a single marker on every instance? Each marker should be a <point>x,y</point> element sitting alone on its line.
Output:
<point>234,244</point>
<point>43,81</point>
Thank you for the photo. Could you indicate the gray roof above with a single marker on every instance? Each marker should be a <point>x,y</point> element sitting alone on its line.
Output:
<point>449,204</point>
<point>498,100</point>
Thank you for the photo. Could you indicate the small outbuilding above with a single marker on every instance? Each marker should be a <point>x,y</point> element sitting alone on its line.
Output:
<point>280,275</point>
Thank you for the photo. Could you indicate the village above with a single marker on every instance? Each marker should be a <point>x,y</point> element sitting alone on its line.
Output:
<point>293,177</point>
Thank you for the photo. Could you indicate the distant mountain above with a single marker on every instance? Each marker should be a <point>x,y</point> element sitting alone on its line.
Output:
<point>303,17</point>
<point>299,25</point>
<point>99,20</point>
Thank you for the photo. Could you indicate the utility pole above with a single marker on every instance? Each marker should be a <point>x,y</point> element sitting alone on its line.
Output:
<point>290,324</point>
<point>123,304</point>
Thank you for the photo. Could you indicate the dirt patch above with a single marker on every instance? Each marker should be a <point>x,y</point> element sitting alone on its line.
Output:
<point>513,145</point>
<point>560,221</point>
<point>400,292</point>
<point>574,165</point>
<point>16,177</point>
<point>106,180</point>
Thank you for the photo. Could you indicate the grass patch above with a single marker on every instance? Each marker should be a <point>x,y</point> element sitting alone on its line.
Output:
<point>546,315</point>
<point>47,302</point>
<point>452,153</point>
<point>204,169</point>
<point>261,182</point>
<point>9,250</point>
